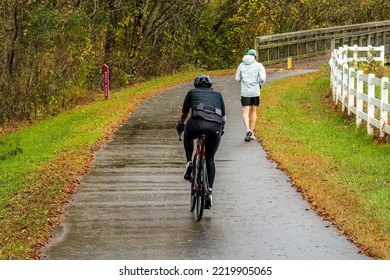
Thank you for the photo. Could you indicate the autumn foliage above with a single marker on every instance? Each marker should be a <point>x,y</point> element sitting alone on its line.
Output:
<point>52,52</point>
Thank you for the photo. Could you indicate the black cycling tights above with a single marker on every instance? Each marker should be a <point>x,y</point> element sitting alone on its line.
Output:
<point>193,129</point>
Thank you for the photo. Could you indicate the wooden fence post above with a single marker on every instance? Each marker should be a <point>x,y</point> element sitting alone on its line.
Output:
<point>370,105</point>
<point>384,100</point>
<point>339,83</point>
<point>351,88</point>
<point>355,57</point>
<point>344,86</point>
<point>333,78</point>
<point>382,57</point>
<point>359,101</point>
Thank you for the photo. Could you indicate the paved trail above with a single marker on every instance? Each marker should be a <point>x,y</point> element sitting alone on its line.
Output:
<point>134,203</point>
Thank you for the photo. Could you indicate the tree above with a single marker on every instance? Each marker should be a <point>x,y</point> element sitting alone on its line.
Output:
<point>52,51</point>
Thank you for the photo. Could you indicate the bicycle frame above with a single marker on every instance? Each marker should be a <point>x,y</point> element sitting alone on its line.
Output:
<point>199,184</point>
<point>199,160</point>
<point>200,147</point>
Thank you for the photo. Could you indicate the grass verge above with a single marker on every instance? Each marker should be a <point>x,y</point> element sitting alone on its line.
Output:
<point>339,169</point>
<point>35,184</point>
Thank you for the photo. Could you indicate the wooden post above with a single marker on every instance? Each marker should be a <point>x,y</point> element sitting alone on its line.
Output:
<point>344,86</point>
<point>359,101</point>
<point>351,88</point>
<point>106,81</point>
<point>384,100</point>
<point>370,105</point>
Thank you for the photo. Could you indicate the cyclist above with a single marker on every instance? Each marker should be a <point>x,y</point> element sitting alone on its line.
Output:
<point>207,115</point>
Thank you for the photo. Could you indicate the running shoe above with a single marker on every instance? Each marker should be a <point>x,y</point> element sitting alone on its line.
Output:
<point>248,136</point>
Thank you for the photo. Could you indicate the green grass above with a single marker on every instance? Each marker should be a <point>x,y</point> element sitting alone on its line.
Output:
<point>341,170</point>
<point>35,184</point>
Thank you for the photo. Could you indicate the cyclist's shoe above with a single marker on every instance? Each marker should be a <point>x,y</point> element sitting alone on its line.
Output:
<point>208,201</point>
<point>248,136</point>
<point>187,174</point>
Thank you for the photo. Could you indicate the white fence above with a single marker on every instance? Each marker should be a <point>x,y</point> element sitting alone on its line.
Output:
<point>363,95</point>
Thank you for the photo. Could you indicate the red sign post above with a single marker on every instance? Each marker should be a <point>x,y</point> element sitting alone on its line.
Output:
<point>106,81</point>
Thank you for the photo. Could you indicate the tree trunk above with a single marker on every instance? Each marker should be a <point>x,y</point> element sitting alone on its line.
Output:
<point>109,45</point>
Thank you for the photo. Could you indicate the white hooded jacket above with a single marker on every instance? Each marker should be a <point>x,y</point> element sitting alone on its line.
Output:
<point>252,75</point>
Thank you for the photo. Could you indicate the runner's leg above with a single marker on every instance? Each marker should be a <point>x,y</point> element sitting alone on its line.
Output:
<point>245,117</point>
<point>253,117</point>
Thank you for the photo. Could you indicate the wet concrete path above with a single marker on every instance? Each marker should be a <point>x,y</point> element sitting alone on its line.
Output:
<point>134,203</point>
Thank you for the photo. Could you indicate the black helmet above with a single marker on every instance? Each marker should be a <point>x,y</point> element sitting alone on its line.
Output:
<point>203,81</point>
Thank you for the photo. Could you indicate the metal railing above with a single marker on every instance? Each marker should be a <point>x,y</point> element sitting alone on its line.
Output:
<point>278,48</point>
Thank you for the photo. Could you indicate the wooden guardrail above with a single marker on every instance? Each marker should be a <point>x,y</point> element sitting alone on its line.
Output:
<point>278,48</point>
<point>363,95</point>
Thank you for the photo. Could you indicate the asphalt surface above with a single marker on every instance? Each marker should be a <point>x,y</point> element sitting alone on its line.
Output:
<point>134,202</point>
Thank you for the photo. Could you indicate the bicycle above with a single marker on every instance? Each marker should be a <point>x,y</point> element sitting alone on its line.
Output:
<point>199,181</point>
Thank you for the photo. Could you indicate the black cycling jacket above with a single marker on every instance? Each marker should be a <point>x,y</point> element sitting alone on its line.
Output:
<point>213,108</point>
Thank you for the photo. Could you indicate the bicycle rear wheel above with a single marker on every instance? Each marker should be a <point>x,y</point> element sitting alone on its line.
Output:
<point>192,198</point>
<point>194,184</point>
<point>200,192</point>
